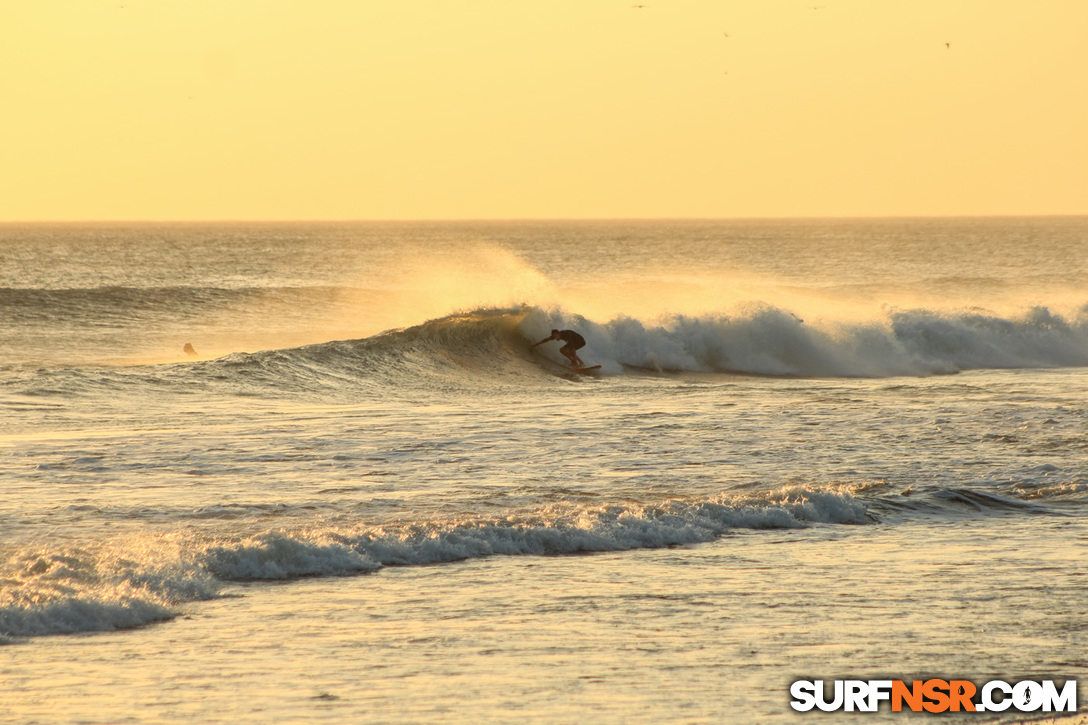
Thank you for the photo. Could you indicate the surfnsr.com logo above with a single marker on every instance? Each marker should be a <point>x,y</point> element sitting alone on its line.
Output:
<point>935,696</point>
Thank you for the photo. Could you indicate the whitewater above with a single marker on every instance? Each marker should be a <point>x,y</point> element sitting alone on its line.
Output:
<point>815,449</point>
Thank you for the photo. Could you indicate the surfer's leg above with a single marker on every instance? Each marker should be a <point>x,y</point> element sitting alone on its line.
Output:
<point>568,353</point>
<point>574,357</point>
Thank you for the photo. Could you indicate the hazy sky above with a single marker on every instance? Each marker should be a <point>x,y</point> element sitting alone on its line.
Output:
<point>408,109</point>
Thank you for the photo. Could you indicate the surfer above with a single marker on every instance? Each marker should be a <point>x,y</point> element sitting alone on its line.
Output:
<point>574,342</point>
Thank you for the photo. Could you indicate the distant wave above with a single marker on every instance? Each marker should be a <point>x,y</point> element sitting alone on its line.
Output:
<point>99,306</point>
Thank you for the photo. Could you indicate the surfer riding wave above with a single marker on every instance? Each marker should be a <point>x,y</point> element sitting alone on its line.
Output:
<point>574,342</point>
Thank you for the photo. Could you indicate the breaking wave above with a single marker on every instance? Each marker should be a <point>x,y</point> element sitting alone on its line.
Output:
<point>152,577</point>
<point>489,348</point>
<point>143,580</point>
<point>760,340</point>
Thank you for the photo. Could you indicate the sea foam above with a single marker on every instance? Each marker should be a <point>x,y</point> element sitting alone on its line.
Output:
<point>98,586</point>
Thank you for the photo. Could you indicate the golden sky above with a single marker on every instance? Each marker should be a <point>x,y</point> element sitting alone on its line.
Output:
<point>434,109</point>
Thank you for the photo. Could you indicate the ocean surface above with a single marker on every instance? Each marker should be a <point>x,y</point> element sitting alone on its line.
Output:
<point>818,449</point>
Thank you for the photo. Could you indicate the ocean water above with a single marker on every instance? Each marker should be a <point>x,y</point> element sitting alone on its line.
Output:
<point>819,449</point>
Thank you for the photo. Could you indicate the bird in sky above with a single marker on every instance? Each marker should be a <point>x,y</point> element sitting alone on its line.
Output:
<point>948,46</point>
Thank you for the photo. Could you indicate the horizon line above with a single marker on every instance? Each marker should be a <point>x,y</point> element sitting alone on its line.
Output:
<point>450,220</point>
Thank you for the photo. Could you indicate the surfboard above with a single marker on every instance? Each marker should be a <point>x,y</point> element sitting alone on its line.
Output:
<point>591,368</point>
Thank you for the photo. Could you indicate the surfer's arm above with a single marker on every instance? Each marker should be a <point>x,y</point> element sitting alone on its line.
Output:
<point>541,342</point>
